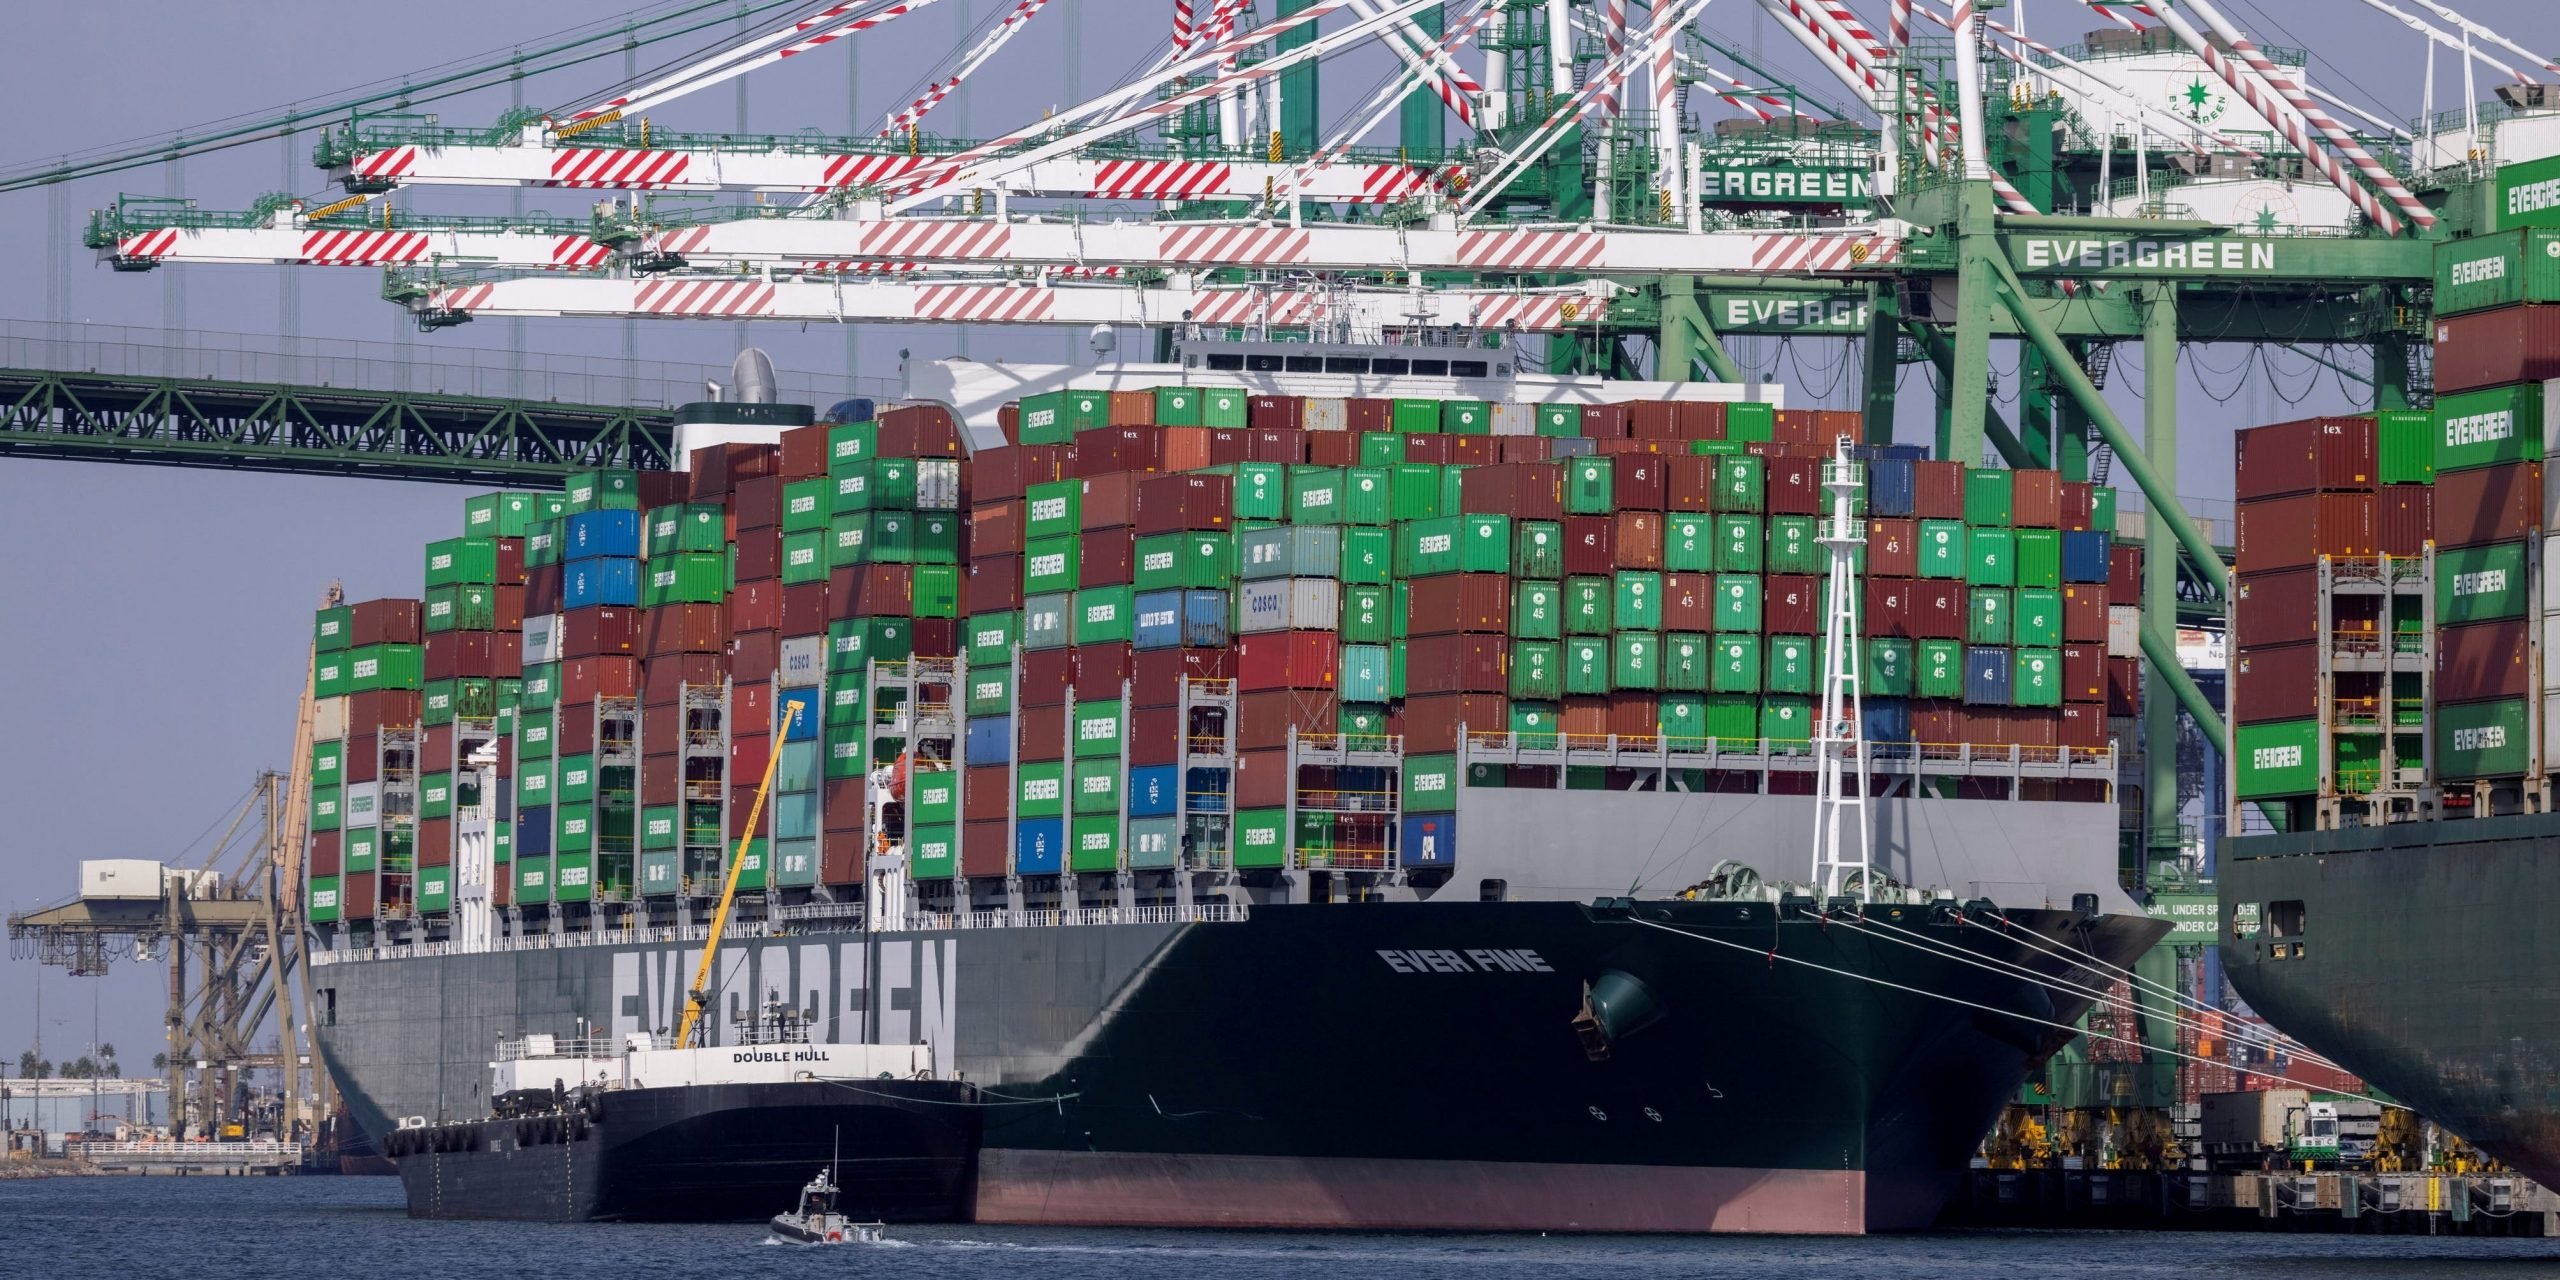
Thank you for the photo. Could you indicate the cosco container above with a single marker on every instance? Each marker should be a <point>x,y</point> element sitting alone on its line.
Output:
<point>1290,551</point>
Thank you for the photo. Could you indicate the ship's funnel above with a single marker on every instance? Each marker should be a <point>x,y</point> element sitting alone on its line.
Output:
<point>751,379</point>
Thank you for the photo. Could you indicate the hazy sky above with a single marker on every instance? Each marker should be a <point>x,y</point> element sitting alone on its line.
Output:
<point>155,620</point>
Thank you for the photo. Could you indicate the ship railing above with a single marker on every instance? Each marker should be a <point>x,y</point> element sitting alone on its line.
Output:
<point>1786,754</point>
<point>189,1152</point>
<point>743,929</point>
<point>524,1047</point>
<point>1052,917</point>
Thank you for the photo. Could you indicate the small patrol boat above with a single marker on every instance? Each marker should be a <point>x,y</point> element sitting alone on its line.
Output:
<point>816,1221</point>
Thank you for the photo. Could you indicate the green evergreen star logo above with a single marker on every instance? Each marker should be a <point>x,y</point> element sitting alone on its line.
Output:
<point>2265,222</point>
<point>2198,100</point>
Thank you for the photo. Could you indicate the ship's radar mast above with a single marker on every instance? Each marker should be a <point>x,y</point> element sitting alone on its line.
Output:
<point>1839,727</point>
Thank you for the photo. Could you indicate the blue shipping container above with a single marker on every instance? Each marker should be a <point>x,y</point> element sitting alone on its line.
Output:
<point>2084,557</point>
<point>812,707</point>
<point>795,815</point>
<point>1204,619</point>
<point>1430,840</point>
<point>1364,673</point>
<point>1887,719</point>
<point>1039,844</point>
<point>1986,676</point>
<point>1892,484</point>
<point>602,580</point>
<point>1155,790</point>
<point>990,740</point>
<point>601,533</point>
<point>1209,790</point>
<point>1159,620</point>
<point>533,833</point>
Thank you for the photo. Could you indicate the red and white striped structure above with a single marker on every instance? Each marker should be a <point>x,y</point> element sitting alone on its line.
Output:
<point>813,32</point>
<point>288,241</point>
<point>713,299</point>
<point>2294,96</point>
<point>363,248</point>
<point>976,57</point>
<point>618,168</point>
<point>1161,179</point>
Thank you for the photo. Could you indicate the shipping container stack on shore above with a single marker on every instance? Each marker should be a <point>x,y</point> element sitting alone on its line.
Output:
<point>1185,629</point>
<point>2391,617</point>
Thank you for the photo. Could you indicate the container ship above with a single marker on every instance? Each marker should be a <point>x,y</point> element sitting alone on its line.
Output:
<point>1212,758</point>
<point>2394,697</point>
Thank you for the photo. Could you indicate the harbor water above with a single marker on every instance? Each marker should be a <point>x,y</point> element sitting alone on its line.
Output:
<point>283,1229</point>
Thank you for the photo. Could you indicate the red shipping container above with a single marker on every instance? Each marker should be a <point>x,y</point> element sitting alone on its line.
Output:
<point>1474,451</point>
<point>2084,725</point>
<point>841,855</point>
<point>747,758</point>
<point>1229,445</point>
<point>1457,664</point>
<point>661,775</point>
<point>435,747</point>
<point>1047,674</point>
<point>1369,414</point>
<point>1449,603</point>
<point>1261,780</point>
<point>608,631</point>
<point>755,655</point>
<point>1276,413</point>
<point>755,606</point>
<point>2084,672</point>
<point>1040,733</point>
<point>1108,558</point>
<point>2035,498</point>
<point>460,655</point>
<point>1186,448</point>
<point>1893,548</point>
<point>804,451</point>
<point>2497,348</point>
<point>1589,545</point>
<point>2084,614</point>
<point>1276,446</point>
<point>1333,449</point>
<point>1832,425</point>
<point>510,562</point>
<point>757,503</point>
<point>919,431</point>
<point>2124,686</point>
<point>1523,448</point>
<point>2124,573</point>
<point>1155,734</point>
<point>2079,506</point>
<point>1432,721</point>
<point>1432,448</point>
<point>1607,421</point>
<point>373,622</point>
<point>1936,610</point>
<point>2313,454</point>
<point>986,849</point>
<point>935,637</point>
<point>2276,682</point>
<point>383,706</point>
<point>1791,604</point>
<point>1101,670</point>
<point>869,591</point>
<point>357,896</point>
<point>1584,718</point>
<point>759,555</point>
<point>1937,490</point>
<point>324,853</point>
<point>1523,490</point>
<point>1652,420</point>
<point>1688,602</point>
<point>658,488</point>
<point>1001,474</point>
<point>2030,726</point>
<point>1109,502</point>
<point>1639,482</point>
<point>842,803</point>
<point>1287,660</point>
<point>986,793</point>
<point>1176,503</point>
<point>2480,505</point>
<point>1638,540</point>
<point>995,529</point>
<point>665,678</point>
<point>542,592</point>
<point>2485,660</point>
<point>1888,607</point>
<point>1156,675</point>
<point>510,607</point>
<point>1131,409</point>
<point>2282,607</point>
<point>362,761</point>
<point>2404,519</point>
<point>1797,429</point>
<point>1689,482</point>
<point>435,842</point>
<point>587,679</point>
<point>1634,716</point>
<point>1700,419</point>
<point>804,609</point>
<point>1265,718</point>
<point>1795,487</point>
<point>2288,533</point>
<point>573,729</point>
<point>993,585</point>
<point>717,470</point>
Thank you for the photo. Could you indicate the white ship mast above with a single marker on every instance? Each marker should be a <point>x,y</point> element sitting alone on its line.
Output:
<point>1839,737</point>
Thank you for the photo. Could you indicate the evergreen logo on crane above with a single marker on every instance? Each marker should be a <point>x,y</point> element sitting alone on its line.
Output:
<point>2196,96</point>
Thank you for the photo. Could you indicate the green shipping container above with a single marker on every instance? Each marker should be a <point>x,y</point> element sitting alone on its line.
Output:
<point>1410,415</point>
<point>2035,620</point>
<point>1940,666</point>
<point>806,504</point>
<point>1992,559</point>
<point>991,637</point>
<point>1098,726</point>
<point>2479,584</point>
<point>804,557</point>
<point>1586,606</point>
<point>1368,496</point>
<point>1537,549</point>
<point>1559,420</point>
<point>1094,843</point>
<point>1793,667</point>
<point>1944,550</point>
<point>1097,786</point>
<point>385,666</point>
<point>1261,838</point>
<point>608,490</point>
<point>1413,487</point>
<point>2502,269</point>
<point>1588,487</point>
<point>2483,739</point>
<point>1261,491</point>
<point>661,827</point>
<point>1222,406</point>
<point>1689,543</point>
<point>1740,544</point>
<point>855,642</point>
<point>1364,615</point>
<point>937,591</point>
<point>1430,783</point>
<point>1792,548</point>
<point>1787,723</point>
<point>1682,722</point>
<point>695,526</point>
<point>1053,509</point>
<point>2489,428</point>
<point>1178,406</point>
<point>2408,444</point>
<point>2036,678</point>
<point>1586,665</point>
<point>1891,670</point>
<point>1533,725</point>
<point>1735,663</point>
<point>435,890</point>
<point>1039,789</point>
<point>1637,661</point>
<point>573,877</point>
<point>333,630</point>
<point>1167,561</point>
<point>1733,717</point>
<point>933,852</point>
<point>1749,420</point>
<point>533,733</point>
<point>690,577</point>
<point>362,850</point>
<point>1737,602</point>
<point>533,880</point>
<point>328,763</point>
<point>1638,599</point>
<point>1050,565</point>
<point>1466,417</point>
<point>1687,662</point>
<point>1537,609</point>
<point>1316,495</point>
<point>1368,555</point>
<point>460,560</point>
<point>1988,494</point>
<point>1742,483</point>
<point>1056,417</point>
<point>323,906</point>
<point>990,693</point>
<point>2039,557</point>
<point>2278,759</point>
<point>1101,615</point>
<point>660,873</point>
<point>575,829</point>
<point>1537,669</point>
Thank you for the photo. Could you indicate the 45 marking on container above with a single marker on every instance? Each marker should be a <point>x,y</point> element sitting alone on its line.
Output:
<point>1474,960</point>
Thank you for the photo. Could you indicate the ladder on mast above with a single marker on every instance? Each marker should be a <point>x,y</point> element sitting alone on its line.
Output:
<point>1839,729</point>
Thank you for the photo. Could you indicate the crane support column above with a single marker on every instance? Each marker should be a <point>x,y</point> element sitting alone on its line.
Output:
<point>1884,360</point>
<point>1297,87</point>
<point>2160,577</point>
<point>1423,130</point>
<point>1994,427</point>
<point>1688,339</point>
<point>1969,376</point>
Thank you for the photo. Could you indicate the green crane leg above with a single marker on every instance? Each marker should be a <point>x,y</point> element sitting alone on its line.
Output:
<point>1994,427</point>
<point>1423,115</point>
<point>2390,375</point>
<point>1688,339</point>
<point>2161,841</point>
<point>2159,1025</point>
<point>1297,87</point>
<point>1969,375</point>
<point>1884,366</point>
<point>2156,483</point>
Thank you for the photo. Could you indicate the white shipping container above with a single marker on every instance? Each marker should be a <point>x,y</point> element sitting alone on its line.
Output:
<point>1289,604</point>
<point>804,662</point>
<point>542,638</point>
<point>1324,413</point>
<point>2550,723</point>
<point>2124,631</point>
<point>361,805</point>
<point>121,878</point>
<point>1515,419</point>
<point>2551,653</point>
<point>329,719</point>
<point>937,484</point>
